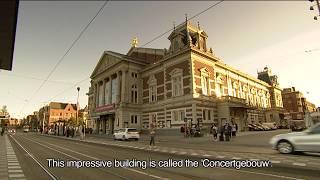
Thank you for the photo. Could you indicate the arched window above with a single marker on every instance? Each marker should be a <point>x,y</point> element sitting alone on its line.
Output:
<point>205,81</point>
<point>152,89</point>
<point>177,82</point>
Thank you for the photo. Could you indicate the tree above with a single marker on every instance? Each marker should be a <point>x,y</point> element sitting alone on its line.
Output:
<point>4,109</point>
<point>72,121</point>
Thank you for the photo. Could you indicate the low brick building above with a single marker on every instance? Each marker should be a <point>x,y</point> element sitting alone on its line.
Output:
<point>57,111</point>
<point>295,104</point>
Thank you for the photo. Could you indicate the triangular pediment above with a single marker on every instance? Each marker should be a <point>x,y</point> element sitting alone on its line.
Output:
<point>106,60</point>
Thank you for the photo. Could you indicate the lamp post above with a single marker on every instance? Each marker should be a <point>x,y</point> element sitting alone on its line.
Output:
<point>318,6</point>
<point>77,113</point>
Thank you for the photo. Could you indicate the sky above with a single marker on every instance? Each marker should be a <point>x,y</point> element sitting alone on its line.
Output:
<point>245,35</point>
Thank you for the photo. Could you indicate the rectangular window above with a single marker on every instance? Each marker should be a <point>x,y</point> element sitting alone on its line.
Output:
<point>114,87</point>
<point>207,114</point>
<point>177,86</point>
<point>205,85</point>
<point>134,119</point>
<point>153,93</point>
<point>178,115</point>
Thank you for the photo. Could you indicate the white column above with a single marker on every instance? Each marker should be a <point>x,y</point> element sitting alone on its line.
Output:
<point>124,96</point>
<point>110,90</point>
<point>104,92</point>
<point>118,88</point>
<point>97,95</point>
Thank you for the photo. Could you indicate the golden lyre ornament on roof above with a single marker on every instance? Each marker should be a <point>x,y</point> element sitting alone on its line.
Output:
<point>134,42</point>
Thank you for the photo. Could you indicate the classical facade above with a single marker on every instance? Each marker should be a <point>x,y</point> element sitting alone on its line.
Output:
<point>183,85</point>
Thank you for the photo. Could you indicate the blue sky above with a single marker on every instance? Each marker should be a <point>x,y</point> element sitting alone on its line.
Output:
<point>245,35</point>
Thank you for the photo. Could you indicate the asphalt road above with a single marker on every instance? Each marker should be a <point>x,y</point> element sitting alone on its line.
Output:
<point>33,152</point>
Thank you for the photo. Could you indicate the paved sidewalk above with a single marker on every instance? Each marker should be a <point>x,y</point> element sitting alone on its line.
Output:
<point>288,160</point>
<point>9,165</point>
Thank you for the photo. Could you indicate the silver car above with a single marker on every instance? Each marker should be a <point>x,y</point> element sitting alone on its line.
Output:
<point>305,141</point>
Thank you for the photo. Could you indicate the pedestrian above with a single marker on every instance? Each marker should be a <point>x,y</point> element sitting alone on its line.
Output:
<point>152,136</point>
<point>2,130</point>
<point>227,131</point>
<point>234,130</point>
<point>68,131</point>
<point>221,137</point>
<point>72,132</point>
<point>214,131</point>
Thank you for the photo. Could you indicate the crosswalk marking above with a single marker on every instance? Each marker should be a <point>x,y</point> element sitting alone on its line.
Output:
<point>13,166</point>
<point>299,164</point>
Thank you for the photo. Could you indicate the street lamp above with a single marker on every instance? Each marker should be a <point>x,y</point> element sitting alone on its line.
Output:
<point>77,114</point>
<point>318,6</point>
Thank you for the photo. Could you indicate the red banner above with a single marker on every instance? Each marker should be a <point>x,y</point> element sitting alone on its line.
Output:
<point>105,108</point>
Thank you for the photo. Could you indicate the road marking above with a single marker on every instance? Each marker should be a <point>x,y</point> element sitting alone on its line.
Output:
<point>299,164</point>
<point>264,174</point>
<point>92,157</point>
<point>14,167</point>
<point>206,155</point>
<point>275,162</point>
<point>237,158</point>
<point>51,175</point>
<point>182,152</point>
<point>16,175</point>
<point>220,157</point>
<point>312,163</point>
<point>254,159</point>
<point>194,154</point>
<point>15,170</point>
<point>173,152</point>
<point>13,164</point>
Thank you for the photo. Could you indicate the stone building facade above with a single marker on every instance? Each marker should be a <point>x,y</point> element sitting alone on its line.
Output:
<point>183,85</point>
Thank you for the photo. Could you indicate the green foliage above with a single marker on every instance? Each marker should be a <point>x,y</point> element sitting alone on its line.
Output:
<point>72,121</point>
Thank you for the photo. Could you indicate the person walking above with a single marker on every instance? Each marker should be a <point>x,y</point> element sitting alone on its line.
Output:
<point>234,130</point>
<point>2,130</point>
<point>221,138</point>
<point>152,137</point>
<point>214,131</point>
<point>227,131</point>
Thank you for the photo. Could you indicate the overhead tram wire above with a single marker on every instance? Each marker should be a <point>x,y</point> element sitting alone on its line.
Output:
<point>67,52</point>
<point>34,78</point>
<point>157,37</point>
<point>198,14</point>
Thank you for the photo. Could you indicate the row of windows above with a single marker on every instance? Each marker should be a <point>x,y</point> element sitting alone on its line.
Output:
<point>180,115</point>
<point>66,114</point>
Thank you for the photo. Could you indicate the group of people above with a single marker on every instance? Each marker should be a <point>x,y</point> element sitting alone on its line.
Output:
<point>226,131</point>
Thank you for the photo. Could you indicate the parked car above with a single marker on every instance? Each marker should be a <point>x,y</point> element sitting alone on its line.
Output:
<point>272,126</point>
<point>126,134</point>
<point>264,127</point>
<point>305,141</point>
<point>253,127</point>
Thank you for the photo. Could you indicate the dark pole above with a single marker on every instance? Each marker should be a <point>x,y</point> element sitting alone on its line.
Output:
<point>78,89</point>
